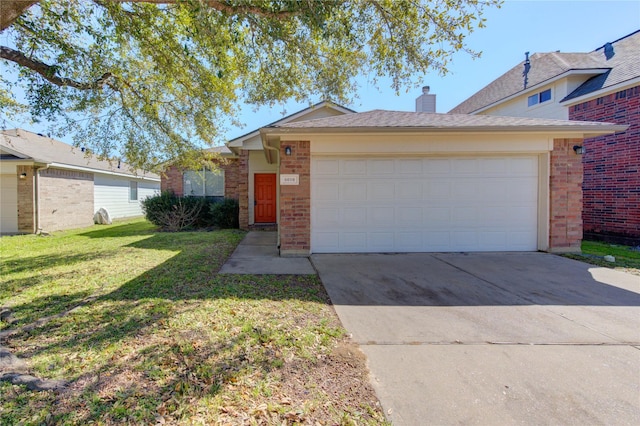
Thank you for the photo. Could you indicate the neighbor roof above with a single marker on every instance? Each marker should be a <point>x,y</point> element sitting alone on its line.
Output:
<point>381,120</point>
<point>25,145</point>
<point>604,71</point>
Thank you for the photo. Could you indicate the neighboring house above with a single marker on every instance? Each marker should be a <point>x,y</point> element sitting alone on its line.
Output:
<point>603,85</point>
<point>388,181</point>
<point>47,185</point>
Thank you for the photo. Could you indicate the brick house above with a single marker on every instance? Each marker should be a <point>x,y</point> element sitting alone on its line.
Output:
<point>602,85</point>
<point>47,185</point>
<point>388,181</point>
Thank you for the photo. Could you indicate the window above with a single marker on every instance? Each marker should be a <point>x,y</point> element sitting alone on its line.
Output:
<point>133,191</point>
<point>539,98</point>
<point>204,183</point>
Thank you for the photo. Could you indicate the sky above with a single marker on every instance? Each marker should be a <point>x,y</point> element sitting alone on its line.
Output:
<point>517,27</point>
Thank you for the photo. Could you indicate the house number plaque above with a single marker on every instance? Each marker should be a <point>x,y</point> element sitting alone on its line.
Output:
<point>289,180</point>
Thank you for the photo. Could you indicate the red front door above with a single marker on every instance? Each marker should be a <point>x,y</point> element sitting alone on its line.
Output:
<point>265,197</point>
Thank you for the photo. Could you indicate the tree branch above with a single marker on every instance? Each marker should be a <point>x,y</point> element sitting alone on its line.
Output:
<point>48,72</point>
<point>11,9</point>
<point>223,6</point>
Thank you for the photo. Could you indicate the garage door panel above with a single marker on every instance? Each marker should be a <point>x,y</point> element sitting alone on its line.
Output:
<point>410,190</point>
<point>437,166</point>
<point>410,166</point>
<point>380,168</point>
<point>354,168</point>
<point>327,191</point>
<point>381,190</point>
<point>354,191</point>
<point>437,189</point>
<point>424,204</point>
<point>327,167</point>
<point>523,166</point>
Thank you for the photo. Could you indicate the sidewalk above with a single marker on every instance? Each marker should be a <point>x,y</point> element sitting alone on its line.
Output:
<point>257,254</point>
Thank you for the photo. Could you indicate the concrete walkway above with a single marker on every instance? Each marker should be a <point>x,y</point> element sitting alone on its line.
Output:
<point>257,254</point>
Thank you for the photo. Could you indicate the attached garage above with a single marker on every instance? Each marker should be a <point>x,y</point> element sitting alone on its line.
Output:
<point>391,181</point>
<point>428,204</point>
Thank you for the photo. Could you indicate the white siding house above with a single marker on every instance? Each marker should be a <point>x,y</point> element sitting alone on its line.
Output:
<point>47,185</point>
<point>121,196</point>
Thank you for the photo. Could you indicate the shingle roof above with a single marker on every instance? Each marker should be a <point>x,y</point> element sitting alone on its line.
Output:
<point>381,119</point>
<point>42,149</point>
<point>623,66</point>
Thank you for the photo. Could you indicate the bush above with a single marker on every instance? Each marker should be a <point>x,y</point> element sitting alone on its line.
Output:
<point>225,213</point>
<point>173,213</point>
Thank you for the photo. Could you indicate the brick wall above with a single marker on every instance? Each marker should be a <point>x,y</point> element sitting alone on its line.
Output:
<point>231,178</point>
<point>66,199</point>
<point>243,189</point>
<point>171,180</point>
<point>565,218</point>
<point>26,200</point>
<point>295,201</point>
<point>612,168</point>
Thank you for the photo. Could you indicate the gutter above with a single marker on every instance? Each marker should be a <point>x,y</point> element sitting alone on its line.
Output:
<point>587,131</point>
<point>106,172</point>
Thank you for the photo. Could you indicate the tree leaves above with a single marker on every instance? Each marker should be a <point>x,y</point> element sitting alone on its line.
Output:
<point>178,70</point>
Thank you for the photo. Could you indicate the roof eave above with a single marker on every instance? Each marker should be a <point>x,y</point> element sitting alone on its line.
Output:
<point>587,130</point>
<point>600,92</point>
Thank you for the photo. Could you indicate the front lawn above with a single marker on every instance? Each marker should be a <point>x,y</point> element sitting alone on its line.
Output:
<point>627,258</point>
<point>145,331</point>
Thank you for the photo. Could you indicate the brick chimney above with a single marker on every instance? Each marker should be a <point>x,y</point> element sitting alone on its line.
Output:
<point>426,102</point>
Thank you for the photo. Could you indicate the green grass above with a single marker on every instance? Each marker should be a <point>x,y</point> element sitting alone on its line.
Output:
<point>145,330</point>
<point>626,258</point>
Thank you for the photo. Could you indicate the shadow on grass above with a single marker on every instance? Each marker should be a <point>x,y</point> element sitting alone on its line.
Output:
<point>48,261</point>
<point>121,230</point>
<point>169,365</point>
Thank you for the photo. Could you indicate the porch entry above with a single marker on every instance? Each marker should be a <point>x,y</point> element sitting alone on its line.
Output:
<point>265,197</point>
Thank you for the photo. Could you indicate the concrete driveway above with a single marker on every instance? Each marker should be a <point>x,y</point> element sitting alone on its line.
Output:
<point>492,338</point>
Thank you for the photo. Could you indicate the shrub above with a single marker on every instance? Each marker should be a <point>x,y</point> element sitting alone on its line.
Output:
<point>225,213</point>
<point>173,213</point>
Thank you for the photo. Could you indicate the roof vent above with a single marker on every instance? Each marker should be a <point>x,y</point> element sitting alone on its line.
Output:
<point>608,51</point>
<point>527,68</point>
<point>426,102</point>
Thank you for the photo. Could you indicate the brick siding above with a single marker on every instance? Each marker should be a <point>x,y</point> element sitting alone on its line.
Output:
<point>612,168</point>
<point>231,178</point>
<point>243,189</point>
<point>66,199</point>
<point>171,181</point>
<point>295,201</point>
<point>565,219</point>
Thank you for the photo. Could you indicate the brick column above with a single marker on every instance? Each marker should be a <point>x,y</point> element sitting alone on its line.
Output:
<point>243,189</point>
<point>295,201</point>
<point>26,199</point>
<point>230,168</point>
<point>565,219</point>
<point>172,181</point>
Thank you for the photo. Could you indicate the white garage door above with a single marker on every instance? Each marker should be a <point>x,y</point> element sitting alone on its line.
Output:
<point>361,205</point>
<point>8,204</point>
